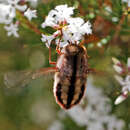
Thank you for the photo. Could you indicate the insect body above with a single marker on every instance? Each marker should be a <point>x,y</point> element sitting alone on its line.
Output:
<point>70,80</point>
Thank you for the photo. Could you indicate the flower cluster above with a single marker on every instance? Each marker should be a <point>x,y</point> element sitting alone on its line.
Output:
<point>95,113</point>
<point>8,14</point>
<point>68,28</point>
<point>127,1</point>
<point>57,125</point>
<point>123,78</point>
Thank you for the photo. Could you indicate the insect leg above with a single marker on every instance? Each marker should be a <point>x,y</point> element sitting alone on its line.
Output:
<point>51,62</point>
<point>58,45</point>
<point>94,71</point>
<point>89,39</point>
<point>58,50</point>
<point>44,71</point>
<point>48,70</point>
<point>91,70</point>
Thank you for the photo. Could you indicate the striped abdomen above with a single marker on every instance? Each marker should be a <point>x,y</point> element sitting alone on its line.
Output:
<point>69,84</point>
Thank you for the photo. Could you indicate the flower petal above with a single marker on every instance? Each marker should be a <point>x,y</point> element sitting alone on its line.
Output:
<point>119,79</point>
<point>115,60</point>
<point>128,62</point>
<point>21,7</point>
<point>118,69</point>
<point>120,99</point>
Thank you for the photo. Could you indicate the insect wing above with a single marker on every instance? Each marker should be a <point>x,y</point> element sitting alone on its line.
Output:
<point>22,78</point>
<point>17,78</point>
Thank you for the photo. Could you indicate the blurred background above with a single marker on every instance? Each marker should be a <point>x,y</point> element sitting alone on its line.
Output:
<point>33,107</point>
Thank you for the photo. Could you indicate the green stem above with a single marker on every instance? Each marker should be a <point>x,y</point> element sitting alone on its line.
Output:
<point>30,25</point>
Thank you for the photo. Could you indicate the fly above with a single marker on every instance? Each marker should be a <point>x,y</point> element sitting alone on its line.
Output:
<point>71,70</point>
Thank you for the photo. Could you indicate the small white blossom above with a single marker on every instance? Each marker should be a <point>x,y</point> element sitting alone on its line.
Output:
<point>124,82</point>
<point>120,99</point>
<point>47,39</point>
<point>127,83</point>
<point>119,79</point>
<point>96,125</point>
<point>99,44</point>
<point>115,19</point>
<point>30,14</point>
<point>118,68</point>
<point>57,125</point>
<point>62,44</point>
<point>115,61</point>
<point>8,13</point>
<point>61,13</point>
<point>15,5</point>
<point>12,6</point>
<point>70,29</point>
<point>33,2</point>
<point>126,1</point>
<point>12,29</point>
<point>108,9</point>
<point>117,65</point>
<point>5,15</point>
<point>128,63</point>
<point>77,28</point>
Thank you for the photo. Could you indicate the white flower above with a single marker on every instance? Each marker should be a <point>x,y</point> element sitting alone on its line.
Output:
<point>114,123</point>
<point>10,6</point>
<point>70,29</point>
<point>118,69</point>
<point>33,2</point>
<point>8,13</point>
<point>15,5</point>
<point>115,19</point>
<point>128,63</point>
<point>86,28</point>
<point>108,9</point>
<point>117,65</point>
<point>8,10</point>
<point>125,83</point>
<point>47,39</point>
<point>95,126</point>
<point>12,29</point>
<point>120,99</point>
<point>77,24</point>
<point>115,61</point>
<point>77,28</point>
<point>127,1</point>
<point>57,125</point>
<point>119,79</point>
<point>5,14</point>
<point>62,44</point>
<point>61,13</point>
<point>41,112</point>
<point>30,14</point>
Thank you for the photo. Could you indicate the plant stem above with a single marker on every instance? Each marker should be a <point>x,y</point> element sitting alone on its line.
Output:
<point>28,23</point>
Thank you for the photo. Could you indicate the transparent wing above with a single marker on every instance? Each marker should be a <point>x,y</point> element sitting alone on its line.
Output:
<point>22,78</point>
<point>17,78</point>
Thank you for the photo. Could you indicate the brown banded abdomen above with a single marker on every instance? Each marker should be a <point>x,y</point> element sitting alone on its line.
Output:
<point>69,84</point>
